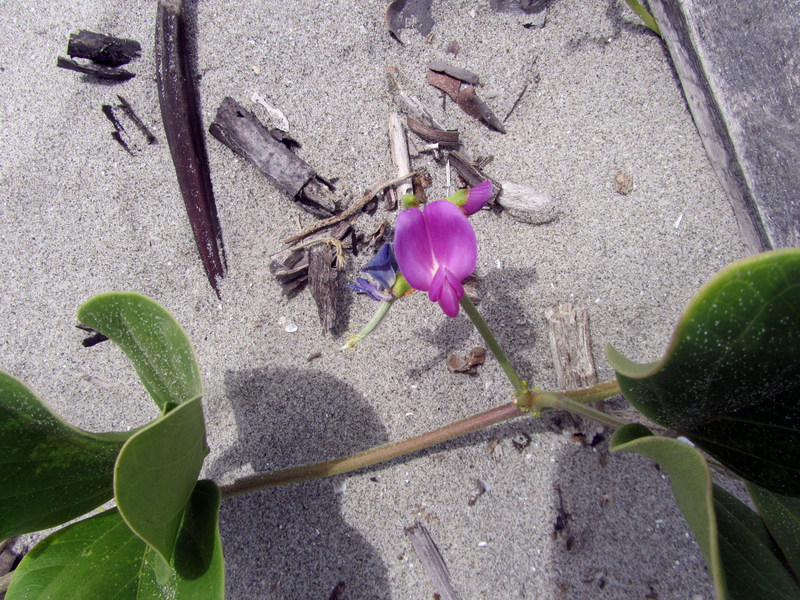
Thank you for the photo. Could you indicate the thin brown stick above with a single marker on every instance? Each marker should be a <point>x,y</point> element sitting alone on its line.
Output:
<point>314,227</point>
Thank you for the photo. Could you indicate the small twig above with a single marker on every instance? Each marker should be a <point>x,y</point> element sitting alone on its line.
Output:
<point>314,227</point>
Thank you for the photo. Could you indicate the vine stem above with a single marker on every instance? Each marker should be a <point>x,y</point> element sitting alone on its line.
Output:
<point>519,386</point>
<point>370,457</point>
<point>369,327</point>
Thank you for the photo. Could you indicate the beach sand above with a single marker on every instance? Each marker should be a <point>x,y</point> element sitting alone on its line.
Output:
<point>79,216</point>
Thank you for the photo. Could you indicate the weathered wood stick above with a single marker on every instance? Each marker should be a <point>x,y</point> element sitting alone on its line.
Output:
<point>399,151</point>
<point>350,211</point>
<point>99,71</point>
<point>184,132</point>
<point>432,560</point>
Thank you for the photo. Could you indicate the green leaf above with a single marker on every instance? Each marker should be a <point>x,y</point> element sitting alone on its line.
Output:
<point>691,483</point>
<point>742,559</point>
<point>152,339</point>
<point>730,380</point>
<point>101,558</point>
<point>156,472</point>
<point>781,514</point>
<point>753,569</point>
<point>50,472</point>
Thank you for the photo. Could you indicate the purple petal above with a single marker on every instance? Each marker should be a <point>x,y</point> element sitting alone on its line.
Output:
<point>383,266</point>
<point>452,239</point>
<point>478,196</point>
<point>447,290</point>
<point>362,286</point>
<point>412,248</point>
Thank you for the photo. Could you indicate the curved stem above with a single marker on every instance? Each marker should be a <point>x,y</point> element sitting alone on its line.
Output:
<point>373,323</point>
<point>599,391</point>
<point>370,457</point>
<point>519,386</point>
<point>556,400</point>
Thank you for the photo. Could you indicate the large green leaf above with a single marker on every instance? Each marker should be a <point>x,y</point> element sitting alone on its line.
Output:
<point>781,514</point>
<point>156,472</point>
<point>101,558</point>
<point>691,483</point>
<point>730,380</point>
<point>152,339</point>
<point>743,561</point>
<point>50,472</point>
<point>753,569</point>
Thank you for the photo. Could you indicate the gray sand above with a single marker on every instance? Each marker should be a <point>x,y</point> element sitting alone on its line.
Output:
<point>79,217</point>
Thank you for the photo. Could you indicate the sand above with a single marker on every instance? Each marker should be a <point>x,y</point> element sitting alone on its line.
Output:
<point>79,216</point>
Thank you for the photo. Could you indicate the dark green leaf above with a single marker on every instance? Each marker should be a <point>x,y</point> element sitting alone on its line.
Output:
<point>156,472</point>
<point>152,339</point>
<point>753,569</point>
<point>50,472</point>
<point>781,514</point>
<point>743,561</point>
<point>100,558</point>
<point>690,478</point>
<point>730,380</point>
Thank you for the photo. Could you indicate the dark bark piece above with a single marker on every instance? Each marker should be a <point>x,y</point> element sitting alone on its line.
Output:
<point>418,12</point>
<point>242,132</point>
<point>466,98</point>
<point>739,63</point>
<point>103,49</point>
<point>467,364</point>
<point>461,74</point>
<point>443,137</point>
<point>99,71</point>
<point>323,278</point>
<point>432,560</point>
<point>184,131</point>
<point>292,273</point>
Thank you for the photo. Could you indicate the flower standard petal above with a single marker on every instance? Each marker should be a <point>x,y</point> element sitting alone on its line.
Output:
<point>478,196</point>
<point>452,239</point>
<point>412,248</point>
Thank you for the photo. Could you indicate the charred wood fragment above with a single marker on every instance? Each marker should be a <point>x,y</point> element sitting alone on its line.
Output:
<point>292,273</point>
<point>95,70</point>
<point>242,132</point>
<point>181,115</point>
<point>128,110</point>
<point>103,49</point>
<point>464,167</point>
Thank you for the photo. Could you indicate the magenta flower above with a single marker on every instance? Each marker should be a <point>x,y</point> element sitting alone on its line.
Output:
<point>436,250</point>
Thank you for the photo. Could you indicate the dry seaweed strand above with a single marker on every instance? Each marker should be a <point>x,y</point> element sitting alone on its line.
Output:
<point>350,211</point>
<point>184,132</point>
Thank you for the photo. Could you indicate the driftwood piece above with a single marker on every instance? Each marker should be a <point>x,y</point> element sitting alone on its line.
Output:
<point>103,49</point>
<point>399,151</point>
<point>129,112</point>
<point>570,345</point>
<point>739,66</point>
<point>527,204</point>
<point>408,103</point>
<point>466,97</point>
<point>432,560</point>
<point>184,131</point>
<point>242,132</point>
<point>464,167</point>
<point>95,70</point>
<point>443,137</point>
<point>322,275</point>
